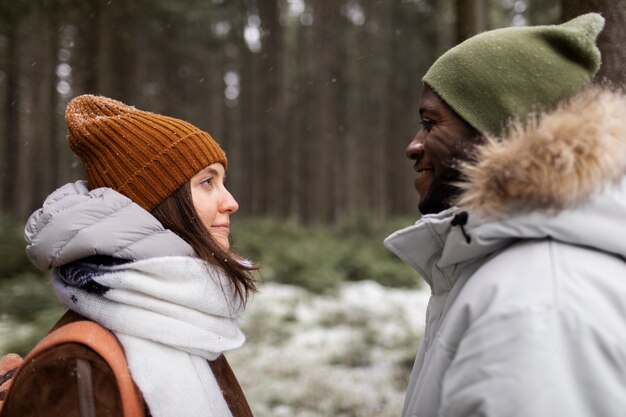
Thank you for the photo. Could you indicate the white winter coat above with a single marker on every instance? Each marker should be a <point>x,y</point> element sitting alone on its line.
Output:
<point>529,317</point>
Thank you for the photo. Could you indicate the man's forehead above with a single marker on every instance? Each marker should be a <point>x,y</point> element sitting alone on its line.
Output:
<point>430,102</point>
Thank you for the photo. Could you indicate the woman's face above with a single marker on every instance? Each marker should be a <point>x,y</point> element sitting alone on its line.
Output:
<point>213,203</point>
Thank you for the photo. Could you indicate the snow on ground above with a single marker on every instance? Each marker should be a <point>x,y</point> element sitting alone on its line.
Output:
<point>348,353</point>
<point>10,330</point>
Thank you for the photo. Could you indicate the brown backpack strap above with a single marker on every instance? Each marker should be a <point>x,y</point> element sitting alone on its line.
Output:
<point>105,344</point>
<point>9,365</point>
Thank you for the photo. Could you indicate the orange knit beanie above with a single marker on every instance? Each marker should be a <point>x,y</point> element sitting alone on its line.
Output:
<point>143,155</point>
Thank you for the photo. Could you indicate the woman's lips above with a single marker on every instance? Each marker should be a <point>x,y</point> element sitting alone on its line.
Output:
<point>222,228</point>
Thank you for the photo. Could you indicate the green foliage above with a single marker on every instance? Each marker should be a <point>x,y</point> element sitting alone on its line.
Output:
<point>13,258</point>
<point>28,309</point>
<point>319,258</point>
<point>316,258</point>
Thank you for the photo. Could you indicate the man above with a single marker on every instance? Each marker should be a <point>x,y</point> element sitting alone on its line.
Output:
<point>521,175</point>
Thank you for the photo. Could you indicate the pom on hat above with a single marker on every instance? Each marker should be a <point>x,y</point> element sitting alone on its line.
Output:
<point>505,73</point>
<point>143,155</point>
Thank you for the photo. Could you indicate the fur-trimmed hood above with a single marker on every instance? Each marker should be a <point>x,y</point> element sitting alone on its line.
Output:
<point>552,160</point>
<point>561,175</point>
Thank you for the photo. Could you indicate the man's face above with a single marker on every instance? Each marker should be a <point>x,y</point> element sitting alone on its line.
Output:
<point>443,141</point>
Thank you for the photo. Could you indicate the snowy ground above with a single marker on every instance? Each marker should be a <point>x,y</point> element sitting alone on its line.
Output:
<point>345,354</point>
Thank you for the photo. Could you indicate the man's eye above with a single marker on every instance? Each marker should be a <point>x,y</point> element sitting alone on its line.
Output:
<point>427,124</point>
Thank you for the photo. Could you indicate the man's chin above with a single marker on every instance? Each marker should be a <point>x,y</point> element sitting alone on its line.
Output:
<point>428,206</point>
<point>438,198</point>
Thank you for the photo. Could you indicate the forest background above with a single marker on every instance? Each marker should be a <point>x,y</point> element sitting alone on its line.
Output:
<point>314,102</point>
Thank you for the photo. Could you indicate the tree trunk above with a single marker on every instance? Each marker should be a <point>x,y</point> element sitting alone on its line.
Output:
<point>12,114</point>
<point>303,110</point>
<point>243,180</point>
<point>92,50</point>
<point>359,66</point>
<point>321,156</point>
<point>50,174</point>
<point>471,18</point>
<point>611,40</point>
<point>272,132</point>
<point>339,84</point>
<point>377,165</point>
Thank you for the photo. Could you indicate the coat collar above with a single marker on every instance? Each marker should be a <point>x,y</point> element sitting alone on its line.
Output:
<point>439,252</point>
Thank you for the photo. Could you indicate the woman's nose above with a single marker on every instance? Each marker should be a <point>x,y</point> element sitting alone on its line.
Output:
<point>415,148</point>
<point>229,204</point>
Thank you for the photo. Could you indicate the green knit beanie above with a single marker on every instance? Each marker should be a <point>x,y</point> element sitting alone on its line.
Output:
<point>510,72</point>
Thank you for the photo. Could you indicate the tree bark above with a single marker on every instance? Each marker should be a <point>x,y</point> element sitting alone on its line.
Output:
<point>324,140</point>
<point>49,155</point>
<point>243,180</point>
<point>92,50</point>
<point>303,111</point>
<point>471,18</point>
<point>359,67</point>
<point>12,114</point>
<point>612,39</point>
<point>272,132</point>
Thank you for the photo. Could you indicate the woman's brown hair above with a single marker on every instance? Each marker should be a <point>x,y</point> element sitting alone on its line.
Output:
<point>178,214</point>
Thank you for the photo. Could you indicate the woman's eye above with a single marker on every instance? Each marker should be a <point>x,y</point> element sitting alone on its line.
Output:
<point>208,181</point>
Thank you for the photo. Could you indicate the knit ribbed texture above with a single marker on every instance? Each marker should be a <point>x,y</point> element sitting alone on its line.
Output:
<point>143,155</point>
<point>505,73</point>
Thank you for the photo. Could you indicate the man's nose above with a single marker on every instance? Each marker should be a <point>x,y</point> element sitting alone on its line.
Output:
<point>415,148</point>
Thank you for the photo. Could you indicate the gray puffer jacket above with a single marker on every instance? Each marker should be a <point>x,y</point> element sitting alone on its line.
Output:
<point>528,309</point>
<point>76,223</point>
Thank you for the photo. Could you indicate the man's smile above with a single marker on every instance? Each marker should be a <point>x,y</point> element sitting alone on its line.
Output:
<point>423,171</point>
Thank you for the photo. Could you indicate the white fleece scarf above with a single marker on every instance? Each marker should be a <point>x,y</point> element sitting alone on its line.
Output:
<point>171,315</point>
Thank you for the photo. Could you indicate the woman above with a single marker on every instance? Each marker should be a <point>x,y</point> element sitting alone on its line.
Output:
<point>142,249</point>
